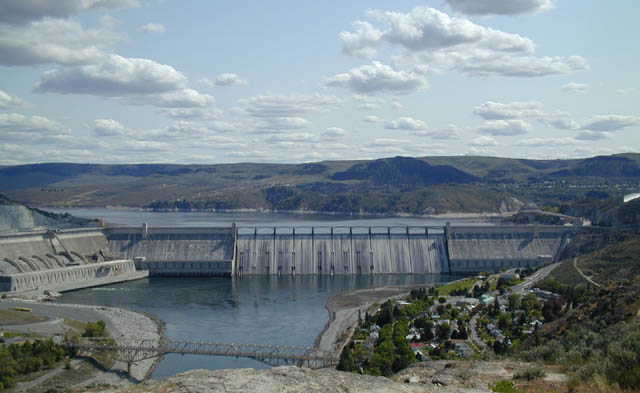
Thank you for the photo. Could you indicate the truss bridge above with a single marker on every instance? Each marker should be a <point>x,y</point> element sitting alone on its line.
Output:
<point>275,355</point>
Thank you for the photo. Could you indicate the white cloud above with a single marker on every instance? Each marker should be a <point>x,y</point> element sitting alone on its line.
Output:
<point>225,79</point>
<point>451,132</point>
<point>484,141</point>
<point>406,123</point>
<point>153,28</point>
<point>334,133</point>
<point>192,113</point>
<point>628,90</point>
<point>116,76</point>
<point>297,137</point>
<point>426,28</point>
<point>22,11</point>
<point>182,98</point>
<point>378,77</point>
<point>373,119</point>
<point>607,123</point>
<point>491,110</point>
<point>363,42</point>
<point>21,126</point>
<point>562,123</point>
<point>505,127</point>
<point>288,105</point>
<point>578,88</point>
<point>436,42</point>
<point>523,66</point>
<point>282,123</point>
<point>500,7</point>
<point>109,127</point>
<point>546,142</point>
<point>368,103</point>
<point>53,41</point>
<point>9,101</point>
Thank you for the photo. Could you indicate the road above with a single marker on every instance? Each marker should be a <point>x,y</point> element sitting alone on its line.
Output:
<point>587,278</point>
<point>537,276</point>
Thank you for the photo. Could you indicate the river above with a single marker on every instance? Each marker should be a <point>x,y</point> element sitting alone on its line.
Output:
<point>274,310</point>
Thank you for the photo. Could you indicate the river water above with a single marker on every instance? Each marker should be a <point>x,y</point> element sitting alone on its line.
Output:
<point>273,310</point>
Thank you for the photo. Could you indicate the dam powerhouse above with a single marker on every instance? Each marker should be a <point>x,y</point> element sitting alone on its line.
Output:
<point>70,259</point>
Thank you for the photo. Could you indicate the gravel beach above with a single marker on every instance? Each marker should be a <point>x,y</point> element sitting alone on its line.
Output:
<point>123,325</point>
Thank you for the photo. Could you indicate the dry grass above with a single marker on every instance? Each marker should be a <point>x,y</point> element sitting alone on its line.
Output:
<point>13,317</point>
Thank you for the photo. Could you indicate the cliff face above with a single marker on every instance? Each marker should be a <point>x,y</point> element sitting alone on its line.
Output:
<point>284,380</point>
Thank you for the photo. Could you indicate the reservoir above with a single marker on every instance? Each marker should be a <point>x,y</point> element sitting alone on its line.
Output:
<point>286,310</point>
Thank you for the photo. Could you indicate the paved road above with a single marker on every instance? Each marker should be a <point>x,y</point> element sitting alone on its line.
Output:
<point>473,332</point>
<point>537,276</point>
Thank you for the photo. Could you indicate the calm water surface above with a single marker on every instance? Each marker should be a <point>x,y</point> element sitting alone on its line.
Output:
<point>274,310</point>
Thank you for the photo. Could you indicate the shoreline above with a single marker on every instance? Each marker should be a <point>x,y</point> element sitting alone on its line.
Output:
<point>122,324</point>
<point>438,216</point>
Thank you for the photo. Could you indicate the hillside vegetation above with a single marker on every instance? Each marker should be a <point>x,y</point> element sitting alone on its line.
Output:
<point>427,185</point>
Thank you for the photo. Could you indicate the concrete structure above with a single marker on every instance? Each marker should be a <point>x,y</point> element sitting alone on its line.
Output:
<point>491,249</point>
<point>175,252</point>
<point>59,260</point>
<point>340,250</point>
<point>230,251</point>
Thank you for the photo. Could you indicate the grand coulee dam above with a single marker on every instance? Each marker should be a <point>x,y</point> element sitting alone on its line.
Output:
<point>77,258</point>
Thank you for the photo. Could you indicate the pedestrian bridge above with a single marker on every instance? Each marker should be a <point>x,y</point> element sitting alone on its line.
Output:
<point>132,351</point>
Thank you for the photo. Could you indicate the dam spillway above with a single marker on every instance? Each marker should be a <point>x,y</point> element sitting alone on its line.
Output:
<point>340,250</point>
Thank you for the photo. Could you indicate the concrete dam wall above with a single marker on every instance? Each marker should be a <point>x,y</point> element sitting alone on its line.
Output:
<point>175,251</point>
<point>59,260</point>
<point>331,250</point>
<point>490,249</point>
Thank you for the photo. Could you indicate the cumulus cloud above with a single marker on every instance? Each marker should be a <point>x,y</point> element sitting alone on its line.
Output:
<point>363,42</point>
<point>373,119</point>
<point>53,41</point>
<point>9,101</point>
<point>109,127</point>
<point>435,42</point>
<point>192,113</point>
<point>451,132</point>
<point>334,133</point>
<point>152,28</point>
<point>546,142</point>
<point>607,123</point>
<point>225,79</point>
<point>378,77</point>
<point>282,123</point>
<point>500,7</point>
<point>115,76</point>
<point>484,141</point>
<point>491,110</point>
<point>505,127</point>
<point>406,123</point>
<point>18,125</point>
<point>182,98</point>
<point>368,103</point>
<point>429,29</point>
<point>288,105</point>
<point>562,123</point>
<point>573,87</point>
<point>22,11</point>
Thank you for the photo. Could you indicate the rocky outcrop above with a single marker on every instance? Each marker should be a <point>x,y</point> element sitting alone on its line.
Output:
<point>284,380</point>
<point>17,217</point>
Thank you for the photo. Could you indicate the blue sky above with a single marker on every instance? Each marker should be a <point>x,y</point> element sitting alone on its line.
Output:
<point>137,81</point>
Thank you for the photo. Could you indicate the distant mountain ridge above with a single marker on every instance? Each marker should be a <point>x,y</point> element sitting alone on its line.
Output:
<point>423,185</point>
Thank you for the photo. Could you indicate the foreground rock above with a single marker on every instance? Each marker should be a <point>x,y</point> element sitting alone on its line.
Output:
<point>283,380</point>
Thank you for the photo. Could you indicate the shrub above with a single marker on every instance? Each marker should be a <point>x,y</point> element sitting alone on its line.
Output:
<point>530,374</point>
